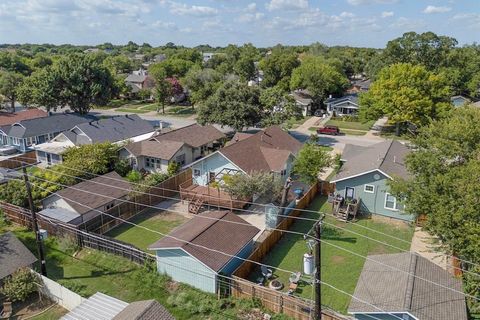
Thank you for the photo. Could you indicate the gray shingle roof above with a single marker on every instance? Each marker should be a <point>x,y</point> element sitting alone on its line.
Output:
<point>136,78</point>
<point>217,233</point>
<point>194,135</point>
<point>393,290</point>
<point>97,193</point>
<point>336,101</point>
<point>113,129</point>
<point>152,148</point>
<point>51,124</point>
<point>144,310</point>
<point>302,96</point>
<point>265,151</point>
<point>13,255</point>
<point>388,157</point>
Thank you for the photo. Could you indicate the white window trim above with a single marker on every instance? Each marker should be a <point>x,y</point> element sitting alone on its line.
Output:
<point>195,171</point>
<point>369,185</point>
<point>394,203</point>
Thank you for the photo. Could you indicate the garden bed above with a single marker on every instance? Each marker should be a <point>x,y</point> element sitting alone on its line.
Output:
<point>339,268</point>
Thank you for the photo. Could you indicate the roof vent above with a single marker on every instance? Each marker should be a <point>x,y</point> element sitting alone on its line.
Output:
<point>394,159</point>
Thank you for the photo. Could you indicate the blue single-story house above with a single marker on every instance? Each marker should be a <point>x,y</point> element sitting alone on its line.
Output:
<point>183,256</point>
<point>364,175</point>
<point>346,105</point>
<point>404,286</point>
<point>269,150</point>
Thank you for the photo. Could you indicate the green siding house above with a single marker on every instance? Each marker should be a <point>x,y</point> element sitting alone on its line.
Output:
<point>183,254</point>
<point>364,176</point>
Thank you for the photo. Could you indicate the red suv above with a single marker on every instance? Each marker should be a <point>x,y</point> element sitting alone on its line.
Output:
<point>333,130</point>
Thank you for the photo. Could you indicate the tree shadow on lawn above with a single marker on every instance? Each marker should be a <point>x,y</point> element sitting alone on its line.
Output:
<point>138,219</point>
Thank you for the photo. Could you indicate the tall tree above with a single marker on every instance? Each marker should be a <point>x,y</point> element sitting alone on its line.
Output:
<point>444,184</point>
<point>201,84</point>
<point>234,104</point>
<point>310,162</point>
<point>278,67</point>
<point>406,93</point>
<point>77,81</point>
<point>9,84</point>
<point>278,106</point>
<point>321,77</point>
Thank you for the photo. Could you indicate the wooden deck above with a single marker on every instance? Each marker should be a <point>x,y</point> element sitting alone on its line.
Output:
<point>210,196</point>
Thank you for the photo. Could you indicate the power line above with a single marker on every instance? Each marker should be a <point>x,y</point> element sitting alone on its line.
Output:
<point>248,202</point>
<point>287,216</point>
<point>255,262</point>
<point>231,278</point>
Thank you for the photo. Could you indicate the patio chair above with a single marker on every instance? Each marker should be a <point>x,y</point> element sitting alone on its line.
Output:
<point>267,273</point>
<point>7,310</point>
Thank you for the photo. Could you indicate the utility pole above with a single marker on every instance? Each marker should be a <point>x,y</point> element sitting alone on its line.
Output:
<point>318,270</point>
<point>41,254</point>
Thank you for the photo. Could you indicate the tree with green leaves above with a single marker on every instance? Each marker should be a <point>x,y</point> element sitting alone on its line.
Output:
<point>278,106</point>
<point>444,183</point>
<point>201,84</point>
<point>261,184</point>
<point>311,160</point>
<point>320,77</point>
<point>234,104</point>
<point>76,80</point>
<point>9,84</point>
<point>97,158</point>
<point>21,285</point>
<point>406,93</point>
<point>245,68</point>
<point>277,68</point>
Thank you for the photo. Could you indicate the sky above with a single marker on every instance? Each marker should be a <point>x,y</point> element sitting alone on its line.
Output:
<point>363,23</point>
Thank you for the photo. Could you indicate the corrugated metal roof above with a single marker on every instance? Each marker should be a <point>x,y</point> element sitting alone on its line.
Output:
<point>59,214</point>
<point>97,307</point>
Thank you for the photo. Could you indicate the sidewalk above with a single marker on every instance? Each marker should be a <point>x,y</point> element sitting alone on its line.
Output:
<point>376,129</point>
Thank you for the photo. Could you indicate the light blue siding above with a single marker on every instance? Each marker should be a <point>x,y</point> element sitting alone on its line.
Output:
<point>396,316</point>
<point>214,163</point>
<point>182,267</point>
<point>372,203</point>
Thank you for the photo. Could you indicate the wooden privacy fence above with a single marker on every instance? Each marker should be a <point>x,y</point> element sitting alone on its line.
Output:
<point>84,239</point>
<point>273,236</point>
<point>326,188</point>
<point>280,302</point>
<point>20,160</point>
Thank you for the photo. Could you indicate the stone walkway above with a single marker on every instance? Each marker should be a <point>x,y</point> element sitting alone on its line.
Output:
<point>427,246</point>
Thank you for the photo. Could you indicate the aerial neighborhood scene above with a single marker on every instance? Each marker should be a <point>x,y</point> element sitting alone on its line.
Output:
<point>270,160</point>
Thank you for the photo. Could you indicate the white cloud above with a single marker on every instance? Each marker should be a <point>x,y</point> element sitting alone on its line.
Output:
<point>386,14</point>
<point>250,17</point>
<point>434,9</point>
<point>364,2</point>
<point>252,7</point>
<point>287,5</point>
<point>408,24</point>
<point>183,9</point>
<point>347,15</point>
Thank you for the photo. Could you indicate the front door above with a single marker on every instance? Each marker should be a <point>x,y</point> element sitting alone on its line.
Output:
<point>349,193</point>
<point>49,159</point>
<point>211,177</point>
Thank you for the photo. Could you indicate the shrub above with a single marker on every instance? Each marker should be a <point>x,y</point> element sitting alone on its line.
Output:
<point>122,167</point>
<point>173,168</point>
<point>134,176</point>
<point>20,285</point>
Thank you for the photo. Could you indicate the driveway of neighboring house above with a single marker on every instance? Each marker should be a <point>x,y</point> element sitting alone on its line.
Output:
<point>428,247</point>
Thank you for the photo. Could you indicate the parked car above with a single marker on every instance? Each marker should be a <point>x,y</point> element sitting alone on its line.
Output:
<point>332,130</point>
<point>319,113</point>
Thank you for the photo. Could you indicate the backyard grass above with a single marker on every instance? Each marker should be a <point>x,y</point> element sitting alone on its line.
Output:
<point>351,124</point>
<point>339,268</point>
<point>162,222</point>
<point>92,271</point>
<point>54,313</point>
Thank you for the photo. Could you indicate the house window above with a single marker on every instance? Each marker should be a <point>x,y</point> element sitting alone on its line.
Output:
<point>147,162</point>
<point>180,159</point>
<point>283,172</point>
<point>369,188</point>
<point>390,202</point>
<point>197,173</point>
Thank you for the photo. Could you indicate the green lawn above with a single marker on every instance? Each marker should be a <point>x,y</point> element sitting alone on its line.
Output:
<point>351,125</point>
<point>54,313</point>
<point>162,222</point>
<point>92,271</point>
<point>339,268</point>
<point>129,110</point>
<point>354,132</point>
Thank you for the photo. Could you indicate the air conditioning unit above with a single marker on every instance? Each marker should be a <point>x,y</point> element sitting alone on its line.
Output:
<point>43,234</point>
